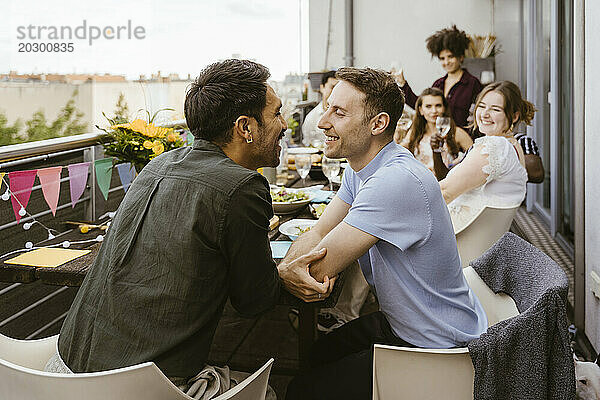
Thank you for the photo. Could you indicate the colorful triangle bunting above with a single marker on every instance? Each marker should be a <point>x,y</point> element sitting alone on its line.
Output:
<point>21,183</point>
<point>78,177</point>
<point>126,173</point>
<point>50,180</point>
<point>104,174</point>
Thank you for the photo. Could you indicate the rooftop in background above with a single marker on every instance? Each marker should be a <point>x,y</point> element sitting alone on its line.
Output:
<point>13,76</point>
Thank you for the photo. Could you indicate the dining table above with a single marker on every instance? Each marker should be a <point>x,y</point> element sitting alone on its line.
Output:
<point>72,273</point>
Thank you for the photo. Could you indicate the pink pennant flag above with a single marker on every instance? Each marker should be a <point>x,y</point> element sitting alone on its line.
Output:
<point>78,176</point>
<point>21,183</point>
<point>50,180</point>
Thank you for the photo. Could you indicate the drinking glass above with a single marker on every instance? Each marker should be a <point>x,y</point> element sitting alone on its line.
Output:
<point>303,164</point>
<point>331,169</point>
<point>443,125</point>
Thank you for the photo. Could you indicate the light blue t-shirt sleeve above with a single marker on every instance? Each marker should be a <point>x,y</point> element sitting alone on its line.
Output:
<point>392,206</point>
<point>346,191</point>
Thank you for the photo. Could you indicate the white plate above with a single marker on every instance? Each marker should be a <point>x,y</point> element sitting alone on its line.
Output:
<point>290,228</point>
<point>291,206</point>
<point>302,150</point>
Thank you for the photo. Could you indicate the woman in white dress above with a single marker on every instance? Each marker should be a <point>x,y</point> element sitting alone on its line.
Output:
<point>493,172</point>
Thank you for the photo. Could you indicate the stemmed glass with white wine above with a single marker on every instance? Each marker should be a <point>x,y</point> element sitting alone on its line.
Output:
<point>303,164</point>
<point>331,169</point>
<point>442,124</point>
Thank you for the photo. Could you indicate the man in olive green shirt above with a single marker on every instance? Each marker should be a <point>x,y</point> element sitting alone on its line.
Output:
<point>190,233</point>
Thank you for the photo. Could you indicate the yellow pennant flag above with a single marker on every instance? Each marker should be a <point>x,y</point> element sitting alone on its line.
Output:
<point>2,178</point>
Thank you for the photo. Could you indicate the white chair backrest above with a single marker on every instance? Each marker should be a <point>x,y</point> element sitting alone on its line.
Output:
<point>142,381</point>
<point>253,387</point>
<point>27,353</point>
<point>483,231</point>
<point>21,377</point>
<point>412,373</point>
<point>497,307</point>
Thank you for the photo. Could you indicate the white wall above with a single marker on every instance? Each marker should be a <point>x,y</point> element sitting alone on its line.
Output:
<point>592,166</point>
<point>506,26</point>
<point>392,31</point>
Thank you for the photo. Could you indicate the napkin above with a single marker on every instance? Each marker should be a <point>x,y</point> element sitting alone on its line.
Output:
<point>322,196</point>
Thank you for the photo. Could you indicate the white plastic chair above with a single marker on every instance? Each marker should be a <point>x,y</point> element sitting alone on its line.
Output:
<point>22,377</point>
<point>483,231</point>
<point>414,373</point>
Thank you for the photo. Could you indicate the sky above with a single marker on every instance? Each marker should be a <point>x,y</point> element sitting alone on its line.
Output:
<point>180,36</point>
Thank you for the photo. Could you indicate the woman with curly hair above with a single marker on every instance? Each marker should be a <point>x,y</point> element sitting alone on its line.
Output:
<point>493,171</point>
<point>423,132</point>
<point>458,85</point>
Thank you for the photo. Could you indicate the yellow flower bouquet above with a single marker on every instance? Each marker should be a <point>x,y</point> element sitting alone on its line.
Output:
<point>138,141</point>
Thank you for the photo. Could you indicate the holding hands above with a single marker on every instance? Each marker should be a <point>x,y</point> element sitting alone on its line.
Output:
<point>298,281</point>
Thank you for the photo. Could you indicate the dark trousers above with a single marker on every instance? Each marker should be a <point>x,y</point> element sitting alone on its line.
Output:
<point>341,363</point>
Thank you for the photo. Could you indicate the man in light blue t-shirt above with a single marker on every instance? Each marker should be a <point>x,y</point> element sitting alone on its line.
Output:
<point>390,215</point>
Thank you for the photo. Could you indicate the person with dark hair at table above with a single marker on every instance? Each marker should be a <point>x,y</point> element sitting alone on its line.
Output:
<point>311,134</point>
<point>191,233</point>
<point>390,215</point>
<point>458,86</point>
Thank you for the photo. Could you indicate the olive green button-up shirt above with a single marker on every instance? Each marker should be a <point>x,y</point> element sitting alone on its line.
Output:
<point>190,233</point>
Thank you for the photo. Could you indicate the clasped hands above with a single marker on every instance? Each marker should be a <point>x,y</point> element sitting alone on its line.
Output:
<point>298,281</point>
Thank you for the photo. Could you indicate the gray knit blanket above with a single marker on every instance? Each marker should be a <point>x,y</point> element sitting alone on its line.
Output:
<point>527,356</point>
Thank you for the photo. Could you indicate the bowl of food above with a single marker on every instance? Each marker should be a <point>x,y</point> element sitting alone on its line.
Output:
<point>296,227</point>
<point>286,200</point>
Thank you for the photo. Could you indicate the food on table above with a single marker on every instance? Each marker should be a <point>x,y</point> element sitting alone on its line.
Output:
<point>286,196</point>
<point>302,230</point>
<point>317,209</point>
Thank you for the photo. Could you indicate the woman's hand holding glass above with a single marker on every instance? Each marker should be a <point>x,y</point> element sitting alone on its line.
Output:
<point>437,142</point>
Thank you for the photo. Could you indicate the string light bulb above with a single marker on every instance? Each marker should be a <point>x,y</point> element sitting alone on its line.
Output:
<point>6,196</point>
<point>66,244</point>
<point>50,235</point>
<point>29,245</point>
<point>99,238</point>
<point>22,212</point>
<point>27,225</point>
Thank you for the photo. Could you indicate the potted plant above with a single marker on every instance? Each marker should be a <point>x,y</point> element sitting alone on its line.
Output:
<point>138,141</point>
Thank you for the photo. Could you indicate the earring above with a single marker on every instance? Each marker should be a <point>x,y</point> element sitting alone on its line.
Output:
<point>249,139</point>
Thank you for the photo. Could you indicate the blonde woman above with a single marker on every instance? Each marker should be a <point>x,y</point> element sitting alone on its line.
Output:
<point>493,172</point>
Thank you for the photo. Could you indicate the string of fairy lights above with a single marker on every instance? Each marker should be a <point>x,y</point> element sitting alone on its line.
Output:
<point>52,233</point>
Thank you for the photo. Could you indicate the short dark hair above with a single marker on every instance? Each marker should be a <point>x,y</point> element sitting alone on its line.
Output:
<point>222,92</point>
<point>382,93</point>
<point>325,77</point>
<point>451,39</point>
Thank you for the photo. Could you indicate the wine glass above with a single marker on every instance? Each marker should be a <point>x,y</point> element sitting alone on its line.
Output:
<point>331,169</point>
<point>443,125</point>
<point>303,164</point>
